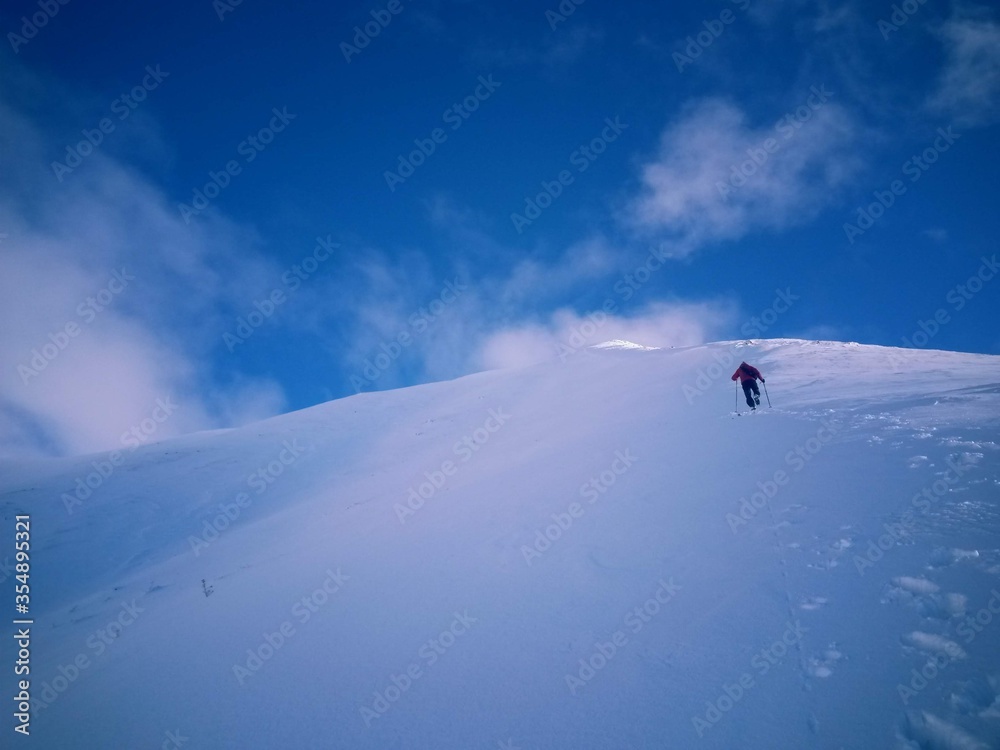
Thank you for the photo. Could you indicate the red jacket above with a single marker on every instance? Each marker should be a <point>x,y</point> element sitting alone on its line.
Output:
<point>747,372</point>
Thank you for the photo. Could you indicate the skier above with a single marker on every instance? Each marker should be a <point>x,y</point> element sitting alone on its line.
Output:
<point>749,376</point>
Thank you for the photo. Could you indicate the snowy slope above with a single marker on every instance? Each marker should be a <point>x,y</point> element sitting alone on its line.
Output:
<point>588,565</point>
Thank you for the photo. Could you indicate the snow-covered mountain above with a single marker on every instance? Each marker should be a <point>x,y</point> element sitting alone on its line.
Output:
<point>594,553</point>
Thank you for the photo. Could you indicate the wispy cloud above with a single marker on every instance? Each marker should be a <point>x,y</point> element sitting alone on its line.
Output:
<point>570,45</point>
<point>111,303</point>
<point>552,54</point>
<point>717,177</point>
<point>968,89</point>
<point>936,234</point>
<point>566,332</point>
<point>504,317</point>
<point>534,280</point>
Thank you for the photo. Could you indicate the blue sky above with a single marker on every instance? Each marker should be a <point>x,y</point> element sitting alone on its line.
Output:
<point>477,185</point>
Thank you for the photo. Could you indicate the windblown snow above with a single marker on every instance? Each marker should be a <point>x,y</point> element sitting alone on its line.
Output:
<point>595,553</point>
<point>622,344</point>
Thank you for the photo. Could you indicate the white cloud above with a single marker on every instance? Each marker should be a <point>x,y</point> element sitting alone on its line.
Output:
<point>566,332</point>
<point>104,254</point>
<point>518,347</point>
<point>494,324</point>
<point>969,86</point>
<point>572,44</point>
<point>491,324</point>
<point>692,191</point>
<point>247,400</point>
<point>936,234</point>
<point>582,262</point>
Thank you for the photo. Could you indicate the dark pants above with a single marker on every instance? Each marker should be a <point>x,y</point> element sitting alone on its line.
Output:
<point>748,387</point>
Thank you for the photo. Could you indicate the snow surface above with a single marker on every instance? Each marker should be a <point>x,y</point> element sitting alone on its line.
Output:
<point>805,622</point>
<point>622,344</point>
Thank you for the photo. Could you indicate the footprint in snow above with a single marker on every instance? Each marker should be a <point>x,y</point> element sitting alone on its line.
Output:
<point>915,586</point>
<point>822,664</point>
<point>943,557</point>
<point>979,697</point>
<point>831,552</point>
<point>923,730</point>
<point>925,597</point>
<point>794,512</point>
<point>813,602</point>
<point>933,645</point>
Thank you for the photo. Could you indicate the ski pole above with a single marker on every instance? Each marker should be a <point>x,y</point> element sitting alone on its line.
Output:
<point>765,393</point>
<point>737,398</point>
